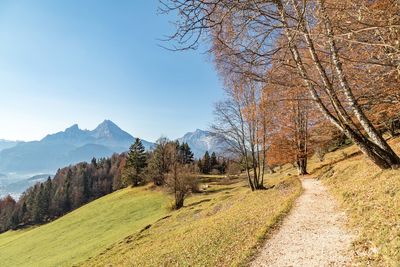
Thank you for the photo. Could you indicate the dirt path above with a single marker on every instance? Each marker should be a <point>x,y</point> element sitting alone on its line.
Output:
<point>312,235</point>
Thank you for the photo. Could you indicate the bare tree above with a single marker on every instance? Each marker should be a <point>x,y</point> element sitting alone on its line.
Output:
<point>247,35</point>
<point>241,121</point>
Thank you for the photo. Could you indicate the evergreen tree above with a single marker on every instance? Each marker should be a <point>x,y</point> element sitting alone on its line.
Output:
<point>186,154</point>
<point>94,162</point>
<point>206,163</point>
<point>213,162</point>
<point>200,165</point>
<point>136,162</point>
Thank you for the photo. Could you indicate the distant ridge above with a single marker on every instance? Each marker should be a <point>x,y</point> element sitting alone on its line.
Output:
<point>4,144</point>
<point>66,147</point>
<point>201,141</point>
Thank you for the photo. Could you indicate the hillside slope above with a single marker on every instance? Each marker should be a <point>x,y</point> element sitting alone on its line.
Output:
<point>220,228</point>
<point>222,225</point>
<point>371,198</point>
<point>84,232</point>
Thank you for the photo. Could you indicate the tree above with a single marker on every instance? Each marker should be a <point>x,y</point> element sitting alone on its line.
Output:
<point>213,161</point>
<point>180,178</point>
<point>206,163</point>
<point>67,202</point>
<point>136,162</point>
<point>159,161</point>
<point>200,166</point>
<point>241,121</point>
<point>249,38</point>
<point>185,153</point>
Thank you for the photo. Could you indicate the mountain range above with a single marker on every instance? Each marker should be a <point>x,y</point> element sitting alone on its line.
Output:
<point>75,145</point>
<point>66,147</point>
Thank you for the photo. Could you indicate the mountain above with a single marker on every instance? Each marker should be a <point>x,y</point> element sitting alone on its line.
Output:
<point>4,144</point>
<point>67,147</point>
<point>201,141</point>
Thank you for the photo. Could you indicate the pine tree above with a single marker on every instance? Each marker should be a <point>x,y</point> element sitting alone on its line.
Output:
<point>200,165</point>
<point>213,162</point>
<point>223,166</point>
<point>136,162</point>
<point>206,163</point>
<point>186,154</point>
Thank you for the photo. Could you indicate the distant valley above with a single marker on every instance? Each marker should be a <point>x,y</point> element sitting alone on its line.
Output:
<point>22,164</point>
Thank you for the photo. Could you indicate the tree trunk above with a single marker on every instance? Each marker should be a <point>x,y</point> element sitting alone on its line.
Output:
<point>302,166</point>
<point>380,152</point>
<point>376,137</point>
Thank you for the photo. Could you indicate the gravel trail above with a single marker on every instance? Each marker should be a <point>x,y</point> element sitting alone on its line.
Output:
<point>313,234</point>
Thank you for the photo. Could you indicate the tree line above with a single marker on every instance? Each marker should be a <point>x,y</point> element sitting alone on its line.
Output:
<point>170,165</point>
<point>71,187</point>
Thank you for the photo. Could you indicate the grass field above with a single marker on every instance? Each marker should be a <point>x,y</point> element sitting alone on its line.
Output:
<point>371,198</point>
<point>84,232</point>
<point>221,226</point>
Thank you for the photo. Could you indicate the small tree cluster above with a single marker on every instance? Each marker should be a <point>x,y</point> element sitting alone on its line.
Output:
<point>172,164</point>
<point>211,164</point>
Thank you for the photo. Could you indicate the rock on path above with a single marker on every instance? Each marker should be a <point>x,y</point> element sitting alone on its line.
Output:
<point>313,234</point>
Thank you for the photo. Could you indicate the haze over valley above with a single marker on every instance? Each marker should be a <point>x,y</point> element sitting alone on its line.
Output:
<point>22,164</point>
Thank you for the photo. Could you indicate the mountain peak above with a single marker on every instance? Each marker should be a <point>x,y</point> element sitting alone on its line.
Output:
<point>74,128</point>
<point>108,122</point>
<point>108,129</point>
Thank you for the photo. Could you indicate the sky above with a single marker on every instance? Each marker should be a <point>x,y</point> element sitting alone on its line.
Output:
<point>66,62</point>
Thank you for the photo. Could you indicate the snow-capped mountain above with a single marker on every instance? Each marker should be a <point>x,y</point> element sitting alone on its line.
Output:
<point>201,141</point>
<point>67,147</point>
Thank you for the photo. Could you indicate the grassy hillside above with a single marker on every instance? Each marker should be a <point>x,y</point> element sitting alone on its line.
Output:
<point>221,226</point>
<point>371,198</point>
<point>84,232</point>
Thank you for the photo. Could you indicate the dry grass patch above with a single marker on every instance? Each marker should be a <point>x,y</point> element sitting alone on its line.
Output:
<point>219,228</point>
<point>371,198</point>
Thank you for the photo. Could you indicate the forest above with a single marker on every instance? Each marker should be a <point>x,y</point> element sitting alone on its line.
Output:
<point>298,75</point>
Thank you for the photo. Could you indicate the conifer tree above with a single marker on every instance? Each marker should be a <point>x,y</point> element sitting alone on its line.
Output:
<point>200,165</point>
<point>213,161</point>
<point>136,162</point>
<point>186,153</point>
<point>206,163</point>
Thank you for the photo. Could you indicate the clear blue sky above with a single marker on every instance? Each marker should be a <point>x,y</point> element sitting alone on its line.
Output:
<point>66,62</point>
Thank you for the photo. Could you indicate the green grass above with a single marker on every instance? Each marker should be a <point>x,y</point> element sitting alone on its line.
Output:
<point>371,198</point>
<point>84,232</point>
<point>221,227</point>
